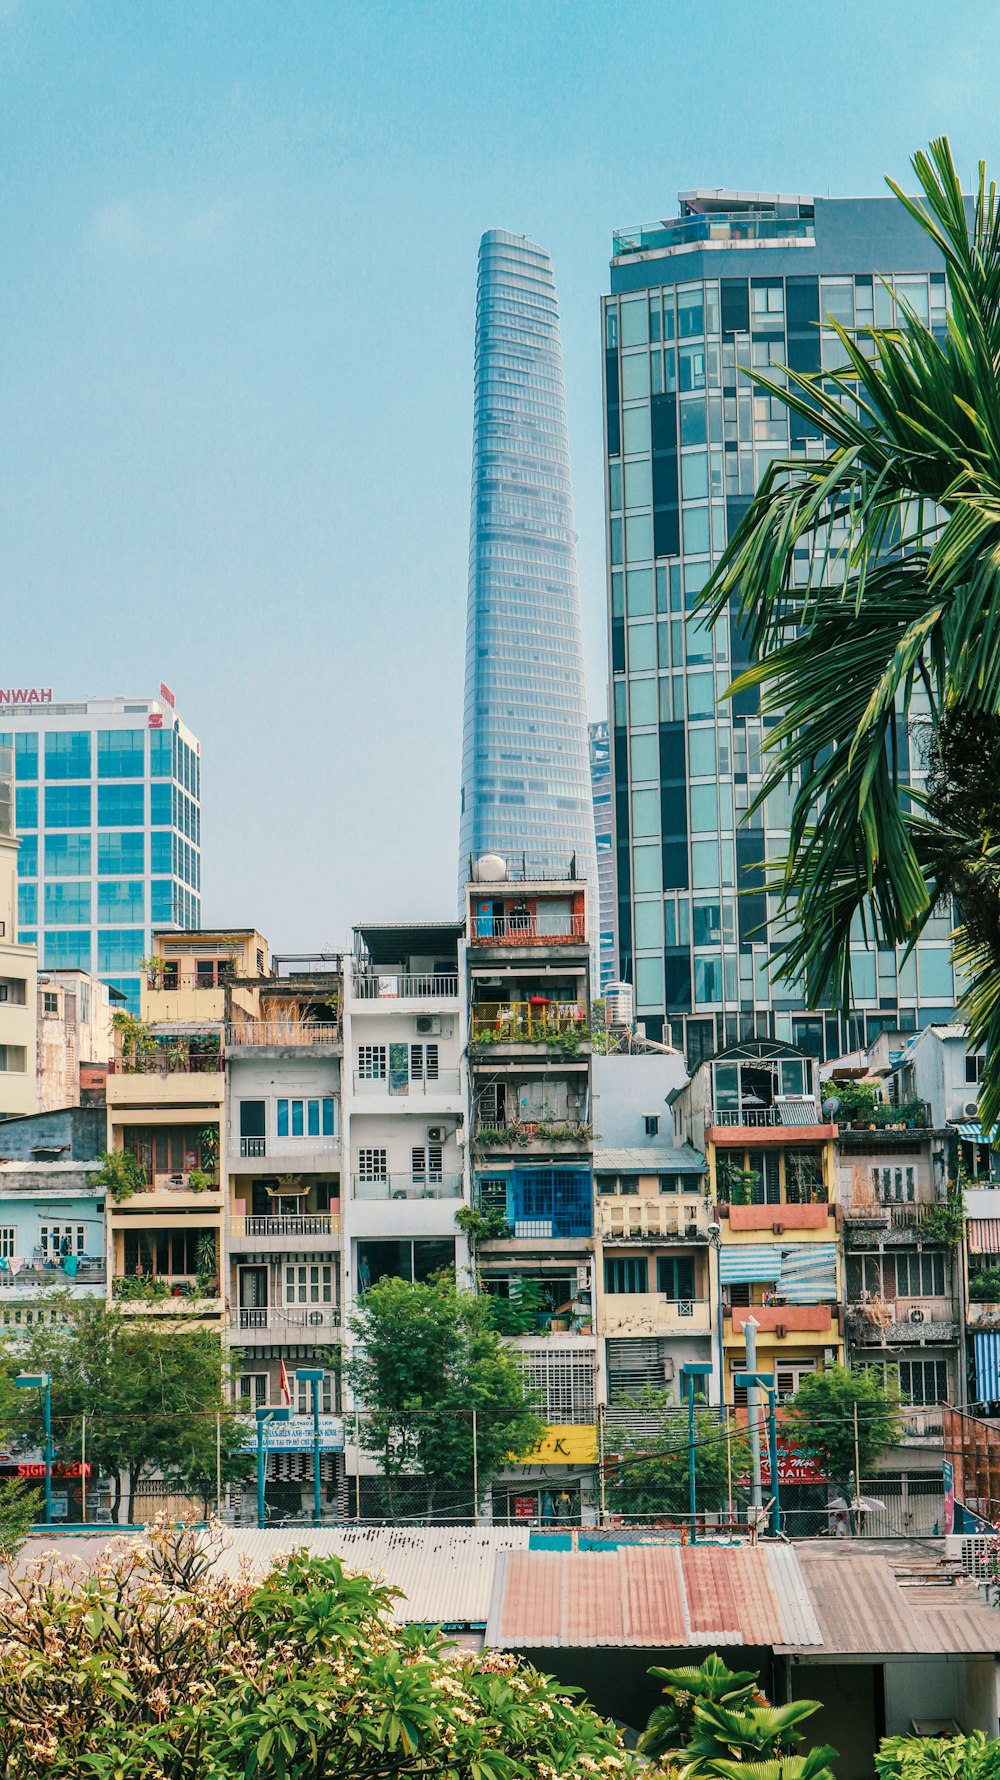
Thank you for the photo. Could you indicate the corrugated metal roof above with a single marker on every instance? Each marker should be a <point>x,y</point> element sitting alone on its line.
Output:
<point>653,1596</point>
<point>863,1605</point>
<point>653,1161</point>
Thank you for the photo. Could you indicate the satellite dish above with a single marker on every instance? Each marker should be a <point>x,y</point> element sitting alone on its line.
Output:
<point>489,869</point>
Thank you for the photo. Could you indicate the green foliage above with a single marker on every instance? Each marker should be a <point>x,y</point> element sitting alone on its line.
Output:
<point>820,1419</point>
<point>121,1174</point>
<point>857,1101</point>
<point>899,526</point>
<point>649,1475</point>
<point>482,1225</point>
<point>135,1287</point>
<point>984,1286</point>
<point>199,1180</point>
<point>975,1757</point>
<point>736,1185</point>
<point>521,1313</point>
<point>426,1356</point>
<point>153,1398</point>
<point>151,1668</point>
<point>20,1503</point>
<point>136,1041</point>
<point>715,1722</point>
<point>945,1222</point>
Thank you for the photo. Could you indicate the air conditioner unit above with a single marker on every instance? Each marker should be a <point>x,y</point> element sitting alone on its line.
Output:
<point>436,1134</point>
<point>917,1315</point>
<point>971,1109</point>
<point>427,1025</point>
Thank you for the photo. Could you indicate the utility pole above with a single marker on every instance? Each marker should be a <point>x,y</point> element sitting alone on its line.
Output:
<point>750,1328</point>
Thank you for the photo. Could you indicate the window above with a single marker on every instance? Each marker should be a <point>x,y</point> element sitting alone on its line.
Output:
<point>26,807</point>
<point>403,1259</point>
<point>124,855</point>
<point>309,1284</point>
<point>119,949</point>
<point>50,1002</point>
<point>371,1063</point>
<point>27,855</point>
<point>626,1273</point>
<point>8,1241</point>
<point>27,907</point>
<point>161,812</point>
<point>67,951</point>
<point>652,1125</point>
<point>250,1392</point>
<point>424,1063</point>
<point>67,904</point>
<point>62,1239</point>
<point>975,1063</point>
<point>305,1118</point>
<point>161,902</point>
<point>67,755</point>
<point>895,1184</point>
<point>675,1277</point>
<point>373,1164</point>
<point>252,1118</point>
<point>426,1164</point>
<point>160,753</point>
<point>920,1275</point>
<point>121,900</point>
<point>923,1382</point>
<point>119,806</point>
<point>120,753</point>
<point>304,1397</point>
<point>67,855</point>
<point>563,1384</point>
<point>26,756</point>
<point>67,806</point>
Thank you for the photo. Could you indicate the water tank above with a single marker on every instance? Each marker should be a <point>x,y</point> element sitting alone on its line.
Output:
<point>619,1004</point>
<point>490,869</point>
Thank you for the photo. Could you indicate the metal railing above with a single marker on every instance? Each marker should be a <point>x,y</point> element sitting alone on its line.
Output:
<point>295,1034</point>
<point>888,1213</point>
<point>402,985</point>
<point>753,1116</point>
<point>409,1186</point>
<point>280,1316</point>
<point>166,1060</point>
<point>524,1022</point>
<point>253,1148</point>
<point>53,1273</point>
<point>305,1224</point>
<point>720,225</point>
<point>446,1082</point>
<point>526,930</point>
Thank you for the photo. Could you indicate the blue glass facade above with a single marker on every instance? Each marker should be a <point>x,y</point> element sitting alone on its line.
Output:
<point>108,808</point>
<point>525,770</point>
<point>600,787</point>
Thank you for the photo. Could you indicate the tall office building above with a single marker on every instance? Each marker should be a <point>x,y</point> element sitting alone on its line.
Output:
<point>600,788</point>
<point>108,810</point>
<point>736,279</point>
<point>525,766</point>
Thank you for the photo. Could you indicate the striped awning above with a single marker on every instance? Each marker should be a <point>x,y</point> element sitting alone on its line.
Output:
<point>809,1273</point>
<point>740,1266</point>
<point>986,1347</point>
<point>970,1131</point>
<point>983,1235</point>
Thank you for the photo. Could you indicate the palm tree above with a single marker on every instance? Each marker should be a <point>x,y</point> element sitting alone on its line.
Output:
<point>885,656</point>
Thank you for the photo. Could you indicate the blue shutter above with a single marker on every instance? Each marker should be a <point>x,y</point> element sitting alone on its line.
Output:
<point>986,1347</point>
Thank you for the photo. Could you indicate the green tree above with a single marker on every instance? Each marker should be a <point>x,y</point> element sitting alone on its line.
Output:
<point>20,1503</point>
<point>426,1356</point>
<point>821,1421</point>
<point>896,524</point>
<point>648,1474</point>
<point>152,1667</point>
<point>716,1723</point>
<point>155,1400</point>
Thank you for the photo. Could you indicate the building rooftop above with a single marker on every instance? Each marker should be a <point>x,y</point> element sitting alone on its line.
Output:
<point>678,1158</point>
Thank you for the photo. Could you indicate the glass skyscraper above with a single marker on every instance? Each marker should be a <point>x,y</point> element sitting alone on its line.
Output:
<point>735,280</point>
<point>525,766</point>
<point>108,810</point>
<point>600,786</point>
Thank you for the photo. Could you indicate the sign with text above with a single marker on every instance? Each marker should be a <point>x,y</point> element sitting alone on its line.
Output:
<point>575,1445</point>
<point>793,1466</point>
<point>25,695</point>
<point>297,1435</point>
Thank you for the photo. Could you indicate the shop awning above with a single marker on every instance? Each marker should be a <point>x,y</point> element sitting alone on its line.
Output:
<point>970,1131</point>
<point>986,1348</point>
<point>983,1235</point>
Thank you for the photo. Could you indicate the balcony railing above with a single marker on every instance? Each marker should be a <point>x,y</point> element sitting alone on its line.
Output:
<point>407,985</point>
<point>52,1275</point>
<point>893,1214</point>
<point>254,1148</point>
<point>746,1117</point>
<point>527,930</point>
<point>409,1186</point>
<point>526,1022</point>
<point>638,1220</point>
<point>168,1059</point>
<point>720,225</point>
<point>653,1313</point>
<point>446,1082</point>
<point>319,1223</point>
<point>286,1316</point>
<point>292,1034</point>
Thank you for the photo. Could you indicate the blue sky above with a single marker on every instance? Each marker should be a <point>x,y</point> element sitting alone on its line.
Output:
<point>237,296</point>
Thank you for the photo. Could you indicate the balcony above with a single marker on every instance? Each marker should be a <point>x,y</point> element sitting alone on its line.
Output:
<point>873,1223</point>
<point>704,230</point>
<point>777,1219</point>
<point>51,1276</point>
<point>168,1294</point>
<point>409,1186</point>
<point>166,1087</point>
<point>530,928</point>
<point>170,1059</point>
<point>406,986</point>
<point>791,1119</point>
<point>290,1153</point>
<point>284,1035</point>
<point>261,1324</point>
<point>536,1138</point>
<point>779,1320</point>
<point>445,1086</point>
<point>651,1220</point>
<point>504,1025</point>
<point>914,1322</point>
<point>653,1313</point>
<point>308,1233</point>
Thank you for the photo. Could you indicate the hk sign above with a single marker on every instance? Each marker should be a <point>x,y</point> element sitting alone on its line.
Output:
<point>25,695</point>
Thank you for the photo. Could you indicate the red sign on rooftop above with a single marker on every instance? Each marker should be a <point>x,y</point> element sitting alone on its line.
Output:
<point>166,693</point>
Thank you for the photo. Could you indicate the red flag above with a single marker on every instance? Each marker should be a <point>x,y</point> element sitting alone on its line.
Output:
<point>286,1389</point>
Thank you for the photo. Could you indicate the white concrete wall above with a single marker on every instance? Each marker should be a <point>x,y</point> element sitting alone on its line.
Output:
<point>627,1089</point>
<point>960,1687</point>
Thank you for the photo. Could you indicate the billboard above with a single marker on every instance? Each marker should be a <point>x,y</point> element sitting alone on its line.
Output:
<point>296,1435</point>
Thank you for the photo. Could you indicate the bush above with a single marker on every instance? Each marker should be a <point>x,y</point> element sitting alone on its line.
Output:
<point>976,1757</point>
<point>984,1286</point>
<point>121,1174</point>
<point>150,1667</point>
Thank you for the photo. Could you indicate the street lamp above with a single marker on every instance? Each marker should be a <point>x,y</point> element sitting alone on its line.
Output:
<point>765,1381</point>
<point>42,1381</point>
<point>690,1374</point>
<point>715,1240</point>
<point>282,1413</point>
<point>314,1375</point>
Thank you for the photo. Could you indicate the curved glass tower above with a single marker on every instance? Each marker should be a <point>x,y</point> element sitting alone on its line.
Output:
<point>525,762</point>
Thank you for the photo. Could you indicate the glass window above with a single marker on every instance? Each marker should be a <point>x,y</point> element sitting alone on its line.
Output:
<point>120,806</point>
<point>160,806</point>
<point>161,901</point>
<point>639,592</point>
<point>626,1273</point>
<point>67,855</point>
<point>160,753</point>
<point>121,900</point>
<point>696,531</point>
<point>936,979</point>
<point>700,695</point>
<point>26,806</point>
<point>67,951</point>
<point>67,754</point>
<point>639,538</point>
<point>67,904</point>
<point>26,756</point>
<point>649,982</point>
<point>642,703</point>
<point>648,926</point>
<point>119,949</point>
<point>645,752</point>
<point>675,1277</point>
<point>67,806</point>
<point>121,753</point>
<point>693,422</point>
<point>124,854</point>
<point>614,487</point>
<point>694,475</point>
<point>635,422</point>
<point>691,368</point>
<point>646,868</point>
<point>27,855</point>
<point>705,865</point>
<point>635,375</point>
<point>645,813</point>
<point>160,852</point>
<point>638,483</point>
<point>708,978</point>
<point>704,809</point>
<point>27,907</point>
<point>635,322</point>
<point>641,647</point>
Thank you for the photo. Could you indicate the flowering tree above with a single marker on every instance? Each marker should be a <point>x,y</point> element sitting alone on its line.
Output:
<point>150,1665</point>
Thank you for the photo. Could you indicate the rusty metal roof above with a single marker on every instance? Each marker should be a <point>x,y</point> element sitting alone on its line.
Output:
<point>812,1598</point>
<point>652,1596</point>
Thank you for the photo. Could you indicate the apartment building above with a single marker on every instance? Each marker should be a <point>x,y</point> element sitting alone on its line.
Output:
<point>75,1040</point>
